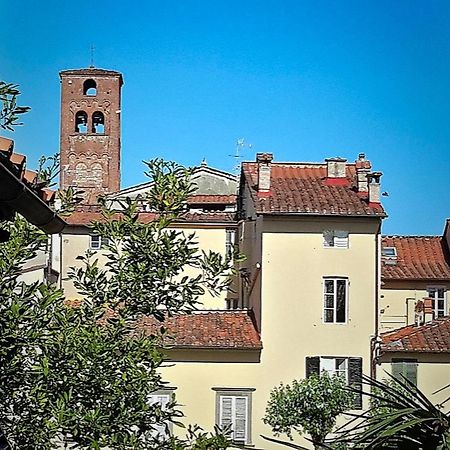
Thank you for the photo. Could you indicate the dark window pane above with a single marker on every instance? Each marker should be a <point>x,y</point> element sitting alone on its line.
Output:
<point>329,286</point>
<point>328,315</point>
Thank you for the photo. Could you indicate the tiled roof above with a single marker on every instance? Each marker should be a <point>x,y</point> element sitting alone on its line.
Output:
<point>84,216</point>
<point>431,337</point>
<point>418,257</point>
<point>208,330</point>
<point>16,164</point>
<point>208,199</point>
<point>300,188</point>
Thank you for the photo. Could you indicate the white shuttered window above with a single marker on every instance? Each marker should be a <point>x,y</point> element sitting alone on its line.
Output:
<point>234,411</point>
<point>163,400</point>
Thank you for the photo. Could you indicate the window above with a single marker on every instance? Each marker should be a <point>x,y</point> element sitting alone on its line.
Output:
<point>98,242</point>
<point>81,122</point>
<point>335,238</point>
<point>405,368</point>
<point>161,398</point>
<point>350,368</point>
<point>90,88</point>
<point>233,407</point>
<point>229,245</point>
<point>232,303</point>
<point>335,300</point>
<point>334,367</point>
<point>98,122</point>
<point>438,295</point>
<point>389,252</point>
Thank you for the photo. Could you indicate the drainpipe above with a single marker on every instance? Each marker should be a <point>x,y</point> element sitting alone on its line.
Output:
<point>374,341</point>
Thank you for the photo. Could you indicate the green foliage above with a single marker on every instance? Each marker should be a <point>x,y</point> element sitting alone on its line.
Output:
<point>9,110</point>
<point>401,417</point>
<point>82,374</point>
<point>308,406</point>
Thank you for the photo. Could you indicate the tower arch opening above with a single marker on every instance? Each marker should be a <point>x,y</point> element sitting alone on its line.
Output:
<point>98,122</point>
<point>90,88</point>
<point>81,119</point>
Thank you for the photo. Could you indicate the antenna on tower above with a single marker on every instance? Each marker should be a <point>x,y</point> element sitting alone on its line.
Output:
<point>240,147</point>
<point>92,56</point>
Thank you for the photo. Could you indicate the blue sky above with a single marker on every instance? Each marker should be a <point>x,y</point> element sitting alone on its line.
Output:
<point>305,80</point>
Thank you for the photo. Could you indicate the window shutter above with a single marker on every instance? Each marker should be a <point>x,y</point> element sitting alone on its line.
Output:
<point>163,400</point>
<point>240,425</point>
<point>355,379</point>
<point>312,365</point>
<point>226,408</point>
<point>411,371</point>
<point>405,368</point>
<point>341,239</point>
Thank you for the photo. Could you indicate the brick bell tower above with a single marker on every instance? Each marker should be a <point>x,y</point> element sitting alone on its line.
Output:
<point>90,131</point>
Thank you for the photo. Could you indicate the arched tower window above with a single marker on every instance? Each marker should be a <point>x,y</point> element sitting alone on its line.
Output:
<point>81,122</point>
<point>98,122</point>
<point>90,88</point>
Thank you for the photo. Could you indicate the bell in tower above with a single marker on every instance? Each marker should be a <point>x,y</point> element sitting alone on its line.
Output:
<point>90,131</point>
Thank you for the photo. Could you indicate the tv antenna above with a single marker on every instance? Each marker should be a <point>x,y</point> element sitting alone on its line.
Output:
<point>241,145</point>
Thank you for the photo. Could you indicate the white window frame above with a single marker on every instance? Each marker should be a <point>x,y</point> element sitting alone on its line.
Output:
<point>235,394</point>
<point>336,239</point>
<point>394,253</point>
<point>334,294</point>
<point>330,364</point>
<point>436,308</point>
<point>97,242</point>
<point>163,397</point>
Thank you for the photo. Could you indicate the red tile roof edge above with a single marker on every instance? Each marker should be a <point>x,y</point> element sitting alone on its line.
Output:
<point>209,330</point>
<point>431,337</point>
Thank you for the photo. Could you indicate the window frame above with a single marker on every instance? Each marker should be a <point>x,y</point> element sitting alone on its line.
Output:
<point>102,242</point>
<point>169,393</point>
<point>334,293</point>
<point>334,234</point>
<point>230,242</point>
<point>335,371</point>
<point>404,363</point>
<point>354,370</point>
<point>234,393</point>
<point>436,310</point>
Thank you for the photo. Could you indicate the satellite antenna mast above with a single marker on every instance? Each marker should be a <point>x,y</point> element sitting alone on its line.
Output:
<point>92,56</point>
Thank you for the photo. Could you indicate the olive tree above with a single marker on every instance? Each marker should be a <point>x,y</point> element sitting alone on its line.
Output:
<point>308,406</point>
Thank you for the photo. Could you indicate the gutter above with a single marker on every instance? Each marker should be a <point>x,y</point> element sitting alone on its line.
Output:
<point>16,196</point>
<point>374,342</point>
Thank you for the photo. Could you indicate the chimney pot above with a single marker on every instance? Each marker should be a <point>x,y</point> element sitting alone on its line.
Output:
<point>373,179</point>
<point>264,161</point>
<point>363,167</point>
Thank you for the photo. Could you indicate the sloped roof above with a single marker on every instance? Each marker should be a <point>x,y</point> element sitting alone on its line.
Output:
<point>85,215</point>
<point>418,258</point>
<point>208,330</point>
<point>431,337</point>
<point>22,191</point>
<point>300,188</point>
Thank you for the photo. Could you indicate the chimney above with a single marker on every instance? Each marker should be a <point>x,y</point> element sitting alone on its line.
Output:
<point>264,161</point>
<point>363,167</point>
<point>428,309</point>
<point>336,171</point>
<point>373,180</point>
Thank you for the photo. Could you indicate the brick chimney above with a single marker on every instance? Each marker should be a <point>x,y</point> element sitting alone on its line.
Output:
<point>373,180</point>
<point>336,171</point>
<point>363,167</point>
<point>264,161</point>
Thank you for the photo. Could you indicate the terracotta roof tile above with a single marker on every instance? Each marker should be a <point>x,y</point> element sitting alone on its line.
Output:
<point>208,329</point>
<point>431,337</point>
<point>84,216</point>
<point>208,199</point>
<point>301,188</point>
<point>418,257</point>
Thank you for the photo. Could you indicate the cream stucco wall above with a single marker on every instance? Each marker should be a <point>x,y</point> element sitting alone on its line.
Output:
<point>398,299</point>
<point>433,373</point>
<point>76,242</point>
<point>293,264</point>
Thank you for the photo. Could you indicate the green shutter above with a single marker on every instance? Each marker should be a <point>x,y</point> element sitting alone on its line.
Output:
<point>405,368</point>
